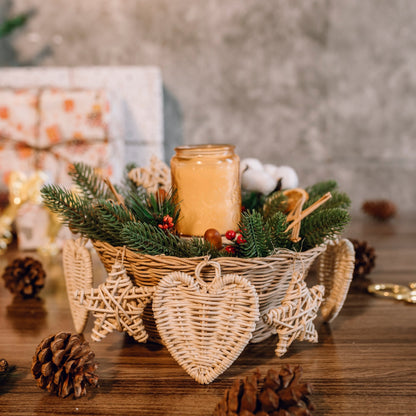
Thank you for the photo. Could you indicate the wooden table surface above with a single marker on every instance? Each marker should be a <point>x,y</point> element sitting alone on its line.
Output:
<point>363,364</point>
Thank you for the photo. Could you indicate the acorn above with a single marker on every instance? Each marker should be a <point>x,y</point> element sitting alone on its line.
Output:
<point>213,237</point>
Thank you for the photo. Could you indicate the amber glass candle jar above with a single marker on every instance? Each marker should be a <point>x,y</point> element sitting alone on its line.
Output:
<point>207,181</point>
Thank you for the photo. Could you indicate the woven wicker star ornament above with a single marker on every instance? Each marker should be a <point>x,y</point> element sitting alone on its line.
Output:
<point>294,318</point>
<point>118,305</point>
<point>155,176</point>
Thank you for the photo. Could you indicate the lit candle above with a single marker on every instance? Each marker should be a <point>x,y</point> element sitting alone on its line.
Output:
<point>207,181</point>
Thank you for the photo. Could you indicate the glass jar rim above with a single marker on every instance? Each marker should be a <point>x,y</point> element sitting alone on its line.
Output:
<point>205,149</point>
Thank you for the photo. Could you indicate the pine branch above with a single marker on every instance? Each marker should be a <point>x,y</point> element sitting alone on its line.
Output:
<point>89,182</point>
<point>149,239</point>
<point>152,210</point>
<point>12,24</point>
<point>140,209</point>
<point>321,225</point>
<point>321,188</point>
<point>197,247</point>
<point>127,185</point>
<point>73,210</point>
<point>164,206</point>
<point>338,200</point>
<point>258,242</point>
<point>252,200</point>
<point>277,229</point>
<point>275,202</point>
<point>111,218</point>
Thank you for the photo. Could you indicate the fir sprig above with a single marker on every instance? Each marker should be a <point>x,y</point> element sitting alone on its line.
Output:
<point>276,227</point>
<point>252,200</point>
<point>72,209</point>
<point>127,185</point>
<point>253,230</point>
<point>321,225</point>
<point>136,223</point>
<point>111,217</point>
<point>152,209</point>
<point>197,247</point>
<point>275,202</point>
<point>321,188</point>
<point>149,239</point>
<point>89,182</point>
<point>9,25</point>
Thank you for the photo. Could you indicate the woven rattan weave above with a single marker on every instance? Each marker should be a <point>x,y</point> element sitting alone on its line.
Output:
<point>270,276</point>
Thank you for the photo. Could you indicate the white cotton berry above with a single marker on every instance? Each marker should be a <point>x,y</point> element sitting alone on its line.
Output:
<point>285,173</point>
<point>258,180</point>
<point>250,163</point>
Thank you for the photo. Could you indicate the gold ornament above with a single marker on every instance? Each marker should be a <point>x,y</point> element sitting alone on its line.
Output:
<point>22,189</point>
<point>294,318</point>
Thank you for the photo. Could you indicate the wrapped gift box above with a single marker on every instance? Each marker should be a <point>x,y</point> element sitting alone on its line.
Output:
<point>42,105</point>
<point>48,129</point>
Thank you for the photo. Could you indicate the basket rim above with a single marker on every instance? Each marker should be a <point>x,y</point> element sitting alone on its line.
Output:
<point>276,255</point>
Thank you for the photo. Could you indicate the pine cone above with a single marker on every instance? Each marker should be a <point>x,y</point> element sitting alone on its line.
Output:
<point>5,370</point>
<point>281,394</point>
<point>64,364</point>
<point>365,257</point>
<point>25,277</point>
<point>4,366</point>
<point>381,209</point>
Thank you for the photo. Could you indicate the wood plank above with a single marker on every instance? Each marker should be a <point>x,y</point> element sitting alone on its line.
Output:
<point>363,364</point>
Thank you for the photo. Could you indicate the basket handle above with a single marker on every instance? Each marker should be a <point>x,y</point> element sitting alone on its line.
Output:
<point>335,268</point>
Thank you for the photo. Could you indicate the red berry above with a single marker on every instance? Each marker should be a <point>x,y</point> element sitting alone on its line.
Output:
<point>230,235</point>
<point>240,239</point>
<point>230,249</point>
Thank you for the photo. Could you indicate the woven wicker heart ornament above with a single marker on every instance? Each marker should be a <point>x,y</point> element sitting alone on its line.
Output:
<point>78,273</point>
<point>204,326</point>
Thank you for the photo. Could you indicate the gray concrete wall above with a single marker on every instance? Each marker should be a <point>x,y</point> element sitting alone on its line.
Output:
<point>325,86</point>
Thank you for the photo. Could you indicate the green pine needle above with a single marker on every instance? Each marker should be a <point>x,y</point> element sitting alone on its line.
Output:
<point>258,242</point>
<point>149,239</point>
<point>111,217</point>
<point>72,210</point>
<point>127,185</point>
<point>275,202</point>
<point>276,226</point>
<point>89,182</point>
<point>321,225</point>
<point>136,224</point>
<point>252,200</point>
<point>12,24</point>
<point>151,209</point>
<point>320,189</point>
<point>338,200</point>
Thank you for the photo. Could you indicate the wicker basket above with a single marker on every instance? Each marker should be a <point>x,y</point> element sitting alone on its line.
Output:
<point>269,275</point>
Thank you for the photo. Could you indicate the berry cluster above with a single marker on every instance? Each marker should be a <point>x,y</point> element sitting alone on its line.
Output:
<point>167,223</point>
<point>235,237</point>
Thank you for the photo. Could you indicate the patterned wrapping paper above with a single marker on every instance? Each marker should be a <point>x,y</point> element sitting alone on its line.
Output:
<point>50,128</point>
